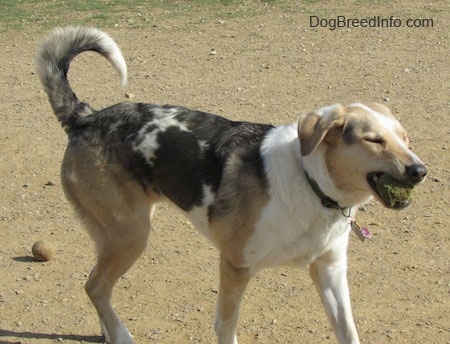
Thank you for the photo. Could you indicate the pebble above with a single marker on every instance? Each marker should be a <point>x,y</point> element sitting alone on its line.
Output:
<point>42,251</point>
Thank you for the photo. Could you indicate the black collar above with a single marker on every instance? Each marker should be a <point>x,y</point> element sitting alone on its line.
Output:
<point>326,201</point>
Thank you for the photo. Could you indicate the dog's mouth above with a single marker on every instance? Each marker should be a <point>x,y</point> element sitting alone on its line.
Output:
<point>393,193</point>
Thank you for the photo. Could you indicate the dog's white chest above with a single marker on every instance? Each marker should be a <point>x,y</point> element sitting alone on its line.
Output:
<point>289,238</point>
<point>293,228</point>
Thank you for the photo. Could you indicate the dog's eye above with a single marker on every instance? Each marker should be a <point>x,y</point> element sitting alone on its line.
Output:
<point>377,140</point>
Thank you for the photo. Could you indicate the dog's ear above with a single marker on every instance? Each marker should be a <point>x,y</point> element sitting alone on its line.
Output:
<point>314,126</point>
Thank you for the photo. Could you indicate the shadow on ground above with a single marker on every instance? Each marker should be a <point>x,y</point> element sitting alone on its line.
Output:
<point>18,335</point>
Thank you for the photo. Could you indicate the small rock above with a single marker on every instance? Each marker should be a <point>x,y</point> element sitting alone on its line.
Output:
<point>50,183</point>
<point>42,251</point>
<point>129,95</point>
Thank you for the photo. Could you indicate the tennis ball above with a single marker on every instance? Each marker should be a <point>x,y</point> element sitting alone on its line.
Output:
<point>42,251</point>
<point>392,191</point>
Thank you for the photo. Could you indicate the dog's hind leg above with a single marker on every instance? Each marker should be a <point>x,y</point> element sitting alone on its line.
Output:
<point>122,241</point>
<point>115,257</point>
<point>116,211</point>
<point>233,282</point>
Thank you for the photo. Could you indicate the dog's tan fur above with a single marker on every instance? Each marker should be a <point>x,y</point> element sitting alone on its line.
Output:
<point>234,217</point>
<point>251,197</point>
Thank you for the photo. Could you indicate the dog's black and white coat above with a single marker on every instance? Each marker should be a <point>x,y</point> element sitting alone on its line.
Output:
<point>255,190</point>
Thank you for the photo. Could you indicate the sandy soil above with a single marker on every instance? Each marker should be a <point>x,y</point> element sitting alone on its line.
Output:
<point>263,64</point>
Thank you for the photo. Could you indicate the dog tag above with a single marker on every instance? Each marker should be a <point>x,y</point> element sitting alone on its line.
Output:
<point>361,232</point>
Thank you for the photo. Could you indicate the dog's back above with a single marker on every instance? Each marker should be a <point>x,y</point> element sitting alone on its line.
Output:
<point>154,144</point>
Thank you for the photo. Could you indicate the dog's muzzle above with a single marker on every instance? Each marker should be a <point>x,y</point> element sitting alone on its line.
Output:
<point>394,193</point>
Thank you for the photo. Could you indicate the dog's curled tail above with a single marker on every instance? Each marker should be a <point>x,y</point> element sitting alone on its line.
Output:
<point>53,60</point>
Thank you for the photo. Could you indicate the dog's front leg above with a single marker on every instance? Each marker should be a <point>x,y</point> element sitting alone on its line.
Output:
<point>329,274</point>
<point>233,282</point>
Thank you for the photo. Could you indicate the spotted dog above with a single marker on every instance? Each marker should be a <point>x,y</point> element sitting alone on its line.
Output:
<point>263,195</point>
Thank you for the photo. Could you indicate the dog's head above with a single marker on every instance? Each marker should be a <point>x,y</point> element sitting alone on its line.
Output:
<point>366,152</point>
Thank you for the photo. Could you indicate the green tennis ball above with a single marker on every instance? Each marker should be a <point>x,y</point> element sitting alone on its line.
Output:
<point>393,191</point>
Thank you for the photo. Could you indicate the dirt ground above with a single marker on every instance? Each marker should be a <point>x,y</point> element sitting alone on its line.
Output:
<point>257,62</point>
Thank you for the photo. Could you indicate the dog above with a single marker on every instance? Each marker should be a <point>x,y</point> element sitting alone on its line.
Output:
<point>263,195</point>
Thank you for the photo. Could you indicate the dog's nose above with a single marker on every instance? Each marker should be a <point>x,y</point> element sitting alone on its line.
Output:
<point>416,172</point>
